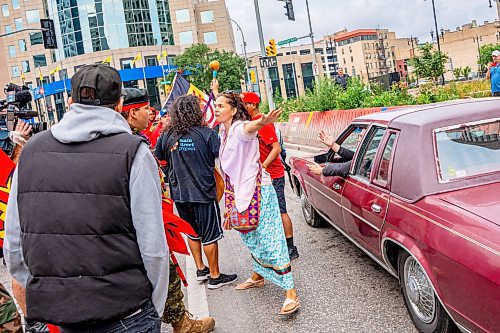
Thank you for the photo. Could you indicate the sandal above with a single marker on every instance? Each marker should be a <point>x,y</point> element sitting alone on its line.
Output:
<point>290,306</point>
<point>250,283</point>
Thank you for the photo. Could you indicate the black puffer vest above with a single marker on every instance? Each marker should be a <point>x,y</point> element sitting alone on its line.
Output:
<point>78,239</point>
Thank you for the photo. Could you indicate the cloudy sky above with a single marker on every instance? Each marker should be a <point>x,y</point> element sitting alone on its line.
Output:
<point>405,17</point>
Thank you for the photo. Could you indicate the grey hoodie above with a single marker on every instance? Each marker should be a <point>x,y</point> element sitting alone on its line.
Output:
<point>85,123</point>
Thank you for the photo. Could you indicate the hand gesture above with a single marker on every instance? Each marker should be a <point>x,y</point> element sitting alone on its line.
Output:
<point>270,117</point>
<point>23,128</point>
<point>315,168</point>
<point>214,86</point>
<point>326,139</point>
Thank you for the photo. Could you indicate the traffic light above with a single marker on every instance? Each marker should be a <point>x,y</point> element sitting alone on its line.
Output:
<point>289,10</point>
<point>271,50</point>
<point>49,33</point>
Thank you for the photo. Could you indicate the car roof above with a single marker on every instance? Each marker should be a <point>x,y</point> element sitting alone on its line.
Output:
<point>415,173</point>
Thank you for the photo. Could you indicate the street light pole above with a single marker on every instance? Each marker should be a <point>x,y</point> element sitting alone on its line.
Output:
<point>437,35</point>
<point>311,34</point>
<point>247,81</point>
<point>269,88</point>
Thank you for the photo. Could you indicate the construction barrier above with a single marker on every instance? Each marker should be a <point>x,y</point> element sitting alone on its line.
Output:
<point>302,128</point>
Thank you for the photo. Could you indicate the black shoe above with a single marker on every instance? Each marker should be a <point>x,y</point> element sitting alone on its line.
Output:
<point>222,280</point>
<point>37,328</point>
<point>203,274</point>
<point>293,253</point>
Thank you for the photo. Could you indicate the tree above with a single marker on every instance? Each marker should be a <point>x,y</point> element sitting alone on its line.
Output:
<point>430,64</point>
<point>457,72</point>
<point>466,71</point>
<point>195,60</point>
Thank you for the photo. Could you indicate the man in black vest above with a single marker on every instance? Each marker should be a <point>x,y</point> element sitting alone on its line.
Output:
<point>86,202</point>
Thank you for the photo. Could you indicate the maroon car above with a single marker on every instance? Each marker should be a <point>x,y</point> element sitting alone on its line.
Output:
<point>422,199</point>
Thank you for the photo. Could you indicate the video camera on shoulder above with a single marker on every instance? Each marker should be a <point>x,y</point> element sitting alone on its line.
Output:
<point>14,107</point>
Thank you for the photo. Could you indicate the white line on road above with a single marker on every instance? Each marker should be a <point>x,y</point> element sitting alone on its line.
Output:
<point>197,302</point>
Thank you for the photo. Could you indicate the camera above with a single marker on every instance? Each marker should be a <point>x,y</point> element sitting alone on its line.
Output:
<point>13,108</point>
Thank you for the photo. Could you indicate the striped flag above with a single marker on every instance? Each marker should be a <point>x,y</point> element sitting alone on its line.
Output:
<point>182,87</point>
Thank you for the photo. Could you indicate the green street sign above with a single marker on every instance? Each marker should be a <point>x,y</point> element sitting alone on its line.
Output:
<point>165,82</point>
<point>287,41</point>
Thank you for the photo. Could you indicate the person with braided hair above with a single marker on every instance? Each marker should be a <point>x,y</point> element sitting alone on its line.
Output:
<point>190,148</point>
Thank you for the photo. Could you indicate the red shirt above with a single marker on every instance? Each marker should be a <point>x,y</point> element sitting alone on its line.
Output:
<point>267,136</point>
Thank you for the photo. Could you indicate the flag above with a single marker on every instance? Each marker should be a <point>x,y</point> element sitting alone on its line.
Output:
<point>137,58</point>
<point>182,87</point>
<point>107,60</point>
<point>23,77</point>
<point>161,55</point>
<point>40,75</point>
<point>6,171</point>
<point>55,70</point>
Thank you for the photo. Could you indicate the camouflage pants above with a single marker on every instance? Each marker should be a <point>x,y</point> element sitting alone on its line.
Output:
<point>10,320</point>
<point>174,306</point>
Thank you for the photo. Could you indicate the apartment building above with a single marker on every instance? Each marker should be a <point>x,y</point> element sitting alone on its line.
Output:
<point>113,31</point>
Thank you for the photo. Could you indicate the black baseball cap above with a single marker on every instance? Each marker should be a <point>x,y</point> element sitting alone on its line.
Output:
<point>104,79</point>
<point>134,96</point>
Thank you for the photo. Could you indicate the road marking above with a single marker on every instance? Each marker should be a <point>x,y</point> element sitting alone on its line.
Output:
<point>197,302</point>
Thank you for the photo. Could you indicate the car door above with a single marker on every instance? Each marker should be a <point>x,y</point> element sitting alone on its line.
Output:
<point>328,190</point>
<point>365,197</point>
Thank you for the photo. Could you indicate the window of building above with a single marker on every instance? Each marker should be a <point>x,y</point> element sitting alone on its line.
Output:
<point>36,38</point>
<point>12,51</point>
<point>182,15</point>
<point>308,75</point>
<point>138,23</point>
<point>207,16</point>
<point>305,52</point>
<point>33,16</point>
<point>274,75</point>
<point>352,59</point>
<point>5,10</point>
<point>8,29</point>
<point>22,45</point>
<point>210,37</point>
<point>96,24</point>
<point>39,60</point>
<point>15,4</point>
<point>289,77</point>
<point>19,23</point>
<point>71,31</point>
<point>186,37</point>
<point>151,61</point>
<point>165,21</point>
<point>127,63</point>
<point>25,65</point>
<point>15,71</point>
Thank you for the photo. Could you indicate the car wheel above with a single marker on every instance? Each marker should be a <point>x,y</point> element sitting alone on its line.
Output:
<point>311,217</point>
<point>424,308</point>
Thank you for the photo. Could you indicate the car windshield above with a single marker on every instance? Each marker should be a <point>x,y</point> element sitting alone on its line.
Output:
<point>468,150</point>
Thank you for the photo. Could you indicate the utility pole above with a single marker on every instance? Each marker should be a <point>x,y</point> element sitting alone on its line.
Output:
<point>311,34</point>
<point>437,36</point>
<point>269,88</point>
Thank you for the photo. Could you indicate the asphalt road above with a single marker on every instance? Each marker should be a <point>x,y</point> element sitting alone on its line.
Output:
<point>340,288</point>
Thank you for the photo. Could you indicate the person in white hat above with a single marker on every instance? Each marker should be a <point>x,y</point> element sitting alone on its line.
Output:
<point>493,73</point>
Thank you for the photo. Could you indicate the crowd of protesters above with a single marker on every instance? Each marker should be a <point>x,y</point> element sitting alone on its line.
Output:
<point>85,240</point>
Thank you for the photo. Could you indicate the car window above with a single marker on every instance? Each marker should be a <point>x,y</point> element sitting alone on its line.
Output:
<point>369,150</point>
<point>352,141</point>
<point>468,150</point>
<point>385,162</point>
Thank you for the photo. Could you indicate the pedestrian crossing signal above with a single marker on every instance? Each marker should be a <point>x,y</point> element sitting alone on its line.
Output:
<point>271,50</point>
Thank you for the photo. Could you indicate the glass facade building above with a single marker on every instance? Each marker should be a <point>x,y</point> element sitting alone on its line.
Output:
<point>87,26</point>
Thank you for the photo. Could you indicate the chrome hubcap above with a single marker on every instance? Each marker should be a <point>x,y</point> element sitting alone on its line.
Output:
<point>306,207</point>
<point>419,291</point>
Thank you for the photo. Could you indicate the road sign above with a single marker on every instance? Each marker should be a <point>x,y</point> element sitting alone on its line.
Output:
<point>315,69</point>
<point>287,41</point>
<point>266,62</point>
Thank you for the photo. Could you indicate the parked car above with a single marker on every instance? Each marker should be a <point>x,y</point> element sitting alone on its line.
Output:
<point>422,199</point>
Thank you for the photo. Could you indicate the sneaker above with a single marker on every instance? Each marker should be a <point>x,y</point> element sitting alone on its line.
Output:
<point>37,328</point>
<point>189,325</point>
<point>222,280</point>
<point>293,253</point>
<point>203,274</point>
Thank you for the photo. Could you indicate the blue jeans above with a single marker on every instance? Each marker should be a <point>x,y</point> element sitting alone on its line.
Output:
<point>146,321</point>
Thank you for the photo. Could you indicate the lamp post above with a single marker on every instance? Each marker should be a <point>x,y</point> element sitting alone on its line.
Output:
<point>437,35</point>
<point>476,40</point>
<point>248,80</point>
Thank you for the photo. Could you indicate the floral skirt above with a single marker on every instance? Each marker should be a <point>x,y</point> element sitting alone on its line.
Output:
<point>267,243</point>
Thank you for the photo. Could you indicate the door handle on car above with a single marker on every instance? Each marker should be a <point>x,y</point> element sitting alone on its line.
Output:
<point>376,208</point>
<point>337,187</point>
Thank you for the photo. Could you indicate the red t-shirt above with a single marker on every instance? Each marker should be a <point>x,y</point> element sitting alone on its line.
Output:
<point>267,136</point>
